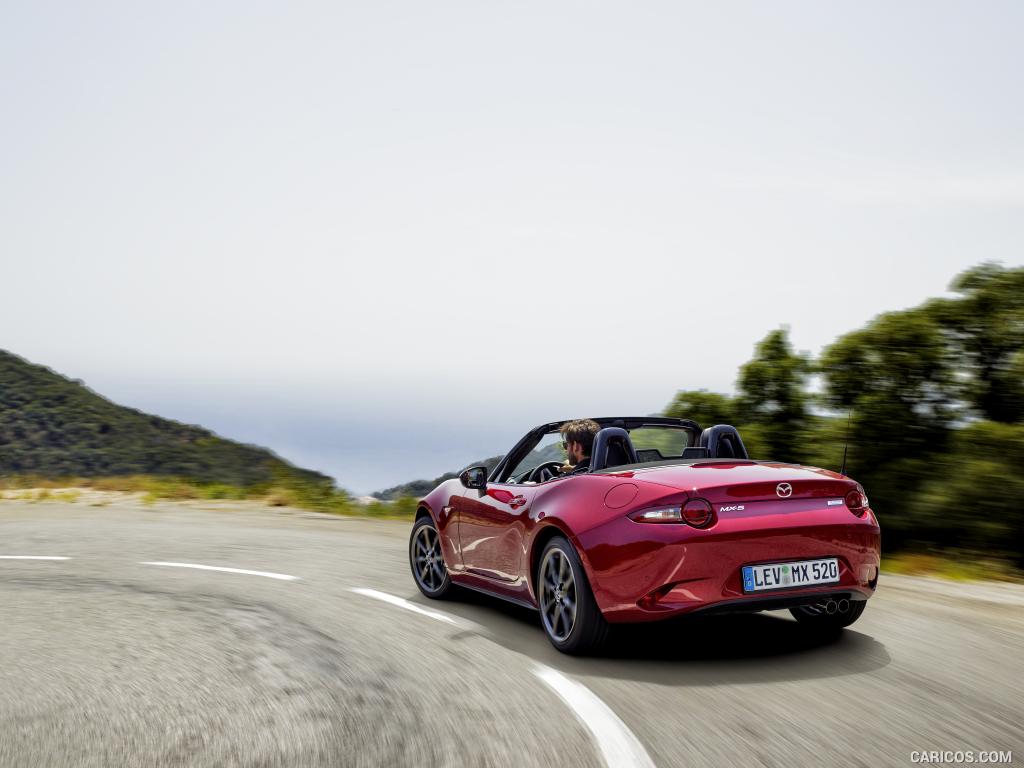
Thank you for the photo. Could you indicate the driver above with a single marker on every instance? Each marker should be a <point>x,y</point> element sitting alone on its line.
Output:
<point>578,440</point>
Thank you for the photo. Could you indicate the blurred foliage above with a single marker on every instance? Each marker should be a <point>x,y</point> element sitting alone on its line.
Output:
<point>959,565</point>
<point>706,408</point>
<point>971,495</point>
<point>286,492</point>
<point>898,377</point>
<point>401,507</point>
<point>772,395</point>
<point>985,326</point>
<point>771,409</point>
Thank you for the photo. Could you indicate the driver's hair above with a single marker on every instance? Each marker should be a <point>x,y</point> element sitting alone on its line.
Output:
<point>581,431</point>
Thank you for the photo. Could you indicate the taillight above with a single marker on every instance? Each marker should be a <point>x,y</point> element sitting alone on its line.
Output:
<point>697,513</point>
<point>857,502</point>
<point>658,515</point>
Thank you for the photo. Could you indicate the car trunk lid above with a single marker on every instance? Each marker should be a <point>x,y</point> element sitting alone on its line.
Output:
<point>740,482</point>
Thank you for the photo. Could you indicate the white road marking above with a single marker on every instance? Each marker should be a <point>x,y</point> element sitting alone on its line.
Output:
<point>403,603</point>
<point>32,557</point>
<point>267,574</point>
<point>617,744</point>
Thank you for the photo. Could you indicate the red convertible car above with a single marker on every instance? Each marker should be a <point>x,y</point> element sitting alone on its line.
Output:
<point>671,519</point>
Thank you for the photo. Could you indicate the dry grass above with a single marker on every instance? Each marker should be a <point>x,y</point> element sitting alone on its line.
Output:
<point>100,491</point>
<point>954,565</point>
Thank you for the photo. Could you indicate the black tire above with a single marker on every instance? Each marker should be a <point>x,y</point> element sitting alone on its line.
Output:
<point>426,560</point>
<point>586,630</point>
<point>817,615</point>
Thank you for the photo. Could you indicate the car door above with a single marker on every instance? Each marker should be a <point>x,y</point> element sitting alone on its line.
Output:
<point>447,517</point>
<point>491,525</point>
<point>492,520</point>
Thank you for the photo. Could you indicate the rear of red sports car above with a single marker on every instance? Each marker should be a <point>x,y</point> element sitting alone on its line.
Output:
<point>664,519</point>
<point>732,536</point>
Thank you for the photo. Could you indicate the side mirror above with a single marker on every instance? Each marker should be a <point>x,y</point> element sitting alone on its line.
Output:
<point>474,477</point>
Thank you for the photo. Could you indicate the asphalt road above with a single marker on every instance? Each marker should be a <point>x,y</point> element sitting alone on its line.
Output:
<point>108,660</point>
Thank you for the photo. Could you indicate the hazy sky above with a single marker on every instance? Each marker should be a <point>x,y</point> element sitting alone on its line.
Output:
<point>385,238</point>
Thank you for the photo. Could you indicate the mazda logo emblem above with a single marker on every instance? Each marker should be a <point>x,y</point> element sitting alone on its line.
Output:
<point>785,490</point>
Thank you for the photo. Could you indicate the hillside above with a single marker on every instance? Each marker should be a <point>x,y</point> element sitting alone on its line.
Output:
<point>418,488</point>
<point>57,427</point>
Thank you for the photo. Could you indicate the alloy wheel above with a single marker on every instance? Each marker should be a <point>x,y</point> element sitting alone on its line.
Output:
<point>558,599</point>
<point>428,562</point>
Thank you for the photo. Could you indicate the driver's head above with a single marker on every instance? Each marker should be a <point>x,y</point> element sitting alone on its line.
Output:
<point>578,438</point>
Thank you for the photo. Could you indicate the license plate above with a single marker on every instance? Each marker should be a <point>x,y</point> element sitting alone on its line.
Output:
<point>789,575</point>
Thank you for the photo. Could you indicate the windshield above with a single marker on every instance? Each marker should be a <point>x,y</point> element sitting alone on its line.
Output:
<point>548,449</point>
<point>653,443</point>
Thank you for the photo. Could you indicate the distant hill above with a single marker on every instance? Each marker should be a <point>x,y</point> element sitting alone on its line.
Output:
<point>419,488</point>
<point>57,427</point>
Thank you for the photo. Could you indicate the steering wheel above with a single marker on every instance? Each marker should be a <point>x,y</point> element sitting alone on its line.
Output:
<point>543,472</point>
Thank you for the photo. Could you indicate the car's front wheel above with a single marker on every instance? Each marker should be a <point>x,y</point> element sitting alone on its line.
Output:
<point>829,614</point>
<point>427,561</point>
<point>568,611</point>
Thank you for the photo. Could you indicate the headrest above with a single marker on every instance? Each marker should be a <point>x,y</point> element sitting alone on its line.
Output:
<point>723,442</point>
<point>612,448</point>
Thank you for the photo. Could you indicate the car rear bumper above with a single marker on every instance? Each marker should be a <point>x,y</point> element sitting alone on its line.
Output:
<point>752,604</point>
<point>654,572</point>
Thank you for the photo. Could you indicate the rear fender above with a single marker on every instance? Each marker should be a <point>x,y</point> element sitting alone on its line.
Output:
<point>573,506</point>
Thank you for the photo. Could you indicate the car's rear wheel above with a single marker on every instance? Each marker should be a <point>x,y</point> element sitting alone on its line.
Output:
<point>427,561</point>
<point>568,611</point>
<point>830,613</point>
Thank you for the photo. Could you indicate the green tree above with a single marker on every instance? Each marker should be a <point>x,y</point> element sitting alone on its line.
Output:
<point>985,325</point>
<point>773,395</point>
<point>704,407</point>
<point>899,378</point>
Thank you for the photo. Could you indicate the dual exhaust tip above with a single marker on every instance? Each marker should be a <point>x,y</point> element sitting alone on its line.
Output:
<point>832,606</point>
